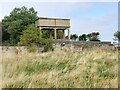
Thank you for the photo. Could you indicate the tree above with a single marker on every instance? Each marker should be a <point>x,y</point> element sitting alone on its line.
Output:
<point>94,36</point>
<point>83,37</point>
<point>74,36</point>
<point>117,36</point>
<point>46,34</point>
<point>16,22</point>
<point>30,36</point>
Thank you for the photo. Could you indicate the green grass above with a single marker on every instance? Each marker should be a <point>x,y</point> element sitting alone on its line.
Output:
<point>95,68</point>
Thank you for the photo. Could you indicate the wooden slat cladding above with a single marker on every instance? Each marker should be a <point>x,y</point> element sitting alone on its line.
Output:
<point>53,22</point>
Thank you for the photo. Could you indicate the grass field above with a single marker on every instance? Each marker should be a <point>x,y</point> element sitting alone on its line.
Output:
<point>95,68</point>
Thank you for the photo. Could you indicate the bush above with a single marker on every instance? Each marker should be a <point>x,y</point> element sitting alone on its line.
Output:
<point>6,43</point>
<point>48,45</point>
<point>9,43</point>
<point>32,37</point>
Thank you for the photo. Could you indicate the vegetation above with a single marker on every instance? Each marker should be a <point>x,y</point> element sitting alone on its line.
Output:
<point>48,45</point>
<point>31,36</point>
<point>16,22</point>
<point>18,29</point>
<point>14,25</point>
<point>74,36</point>
<point>94,36</point>
<point>91,68</point>
<point>117,35</point>
<point>60,34</point>
<point>32,49</point>
<point>46,34</point>
<point>83,37</point>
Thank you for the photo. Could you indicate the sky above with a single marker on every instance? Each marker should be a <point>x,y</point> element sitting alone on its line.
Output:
<point>85,17</point>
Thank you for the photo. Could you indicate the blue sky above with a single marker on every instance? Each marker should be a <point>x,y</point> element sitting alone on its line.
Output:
<point>85,17</point>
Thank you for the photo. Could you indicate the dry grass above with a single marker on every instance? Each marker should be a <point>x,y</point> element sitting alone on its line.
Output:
<point>63,69</point>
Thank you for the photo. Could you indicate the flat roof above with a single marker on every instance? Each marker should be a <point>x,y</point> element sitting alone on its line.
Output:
<point>52,18</point>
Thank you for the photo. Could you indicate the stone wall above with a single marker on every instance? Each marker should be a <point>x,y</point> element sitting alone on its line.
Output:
<point>58,46</point>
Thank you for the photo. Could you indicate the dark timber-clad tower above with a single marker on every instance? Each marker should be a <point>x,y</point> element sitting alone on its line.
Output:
<point>54,24</point>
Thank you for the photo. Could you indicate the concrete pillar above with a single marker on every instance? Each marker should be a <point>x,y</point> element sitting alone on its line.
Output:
<point>55,34</point>
<point>69,33</point>
<point>50,33</point>
<point>63,34</point>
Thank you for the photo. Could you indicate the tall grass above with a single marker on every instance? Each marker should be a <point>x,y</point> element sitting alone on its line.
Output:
<point>95,68</point>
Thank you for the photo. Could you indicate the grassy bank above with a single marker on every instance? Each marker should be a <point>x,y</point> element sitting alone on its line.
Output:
<point>95,68</point>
